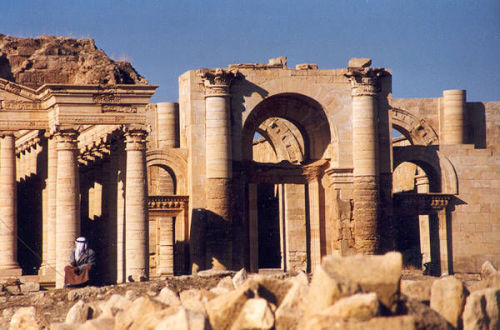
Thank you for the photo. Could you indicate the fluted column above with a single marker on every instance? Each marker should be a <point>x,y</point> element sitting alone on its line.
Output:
<point>167,120</point>
<point>218,167</point>
<point>365,158</point>
<point>454,130</point>
<point>68,199</point>
<point>136,211</point>
<point>8,206</point>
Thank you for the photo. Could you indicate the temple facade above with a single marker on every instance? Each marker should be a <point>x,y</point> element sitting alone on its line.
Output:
<point>257,166</point>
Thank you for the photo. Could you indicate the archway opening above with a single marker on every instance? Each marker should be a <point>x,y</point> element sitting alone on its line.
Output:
<point>281,135</point>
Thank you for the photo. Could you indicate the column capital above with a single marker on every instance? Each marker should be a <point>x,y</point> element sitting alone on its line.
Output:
<point>135,137</point>
<point>364,81</point>
<point>67,139</point>
<point>6,133</point>
<point>217,82</point>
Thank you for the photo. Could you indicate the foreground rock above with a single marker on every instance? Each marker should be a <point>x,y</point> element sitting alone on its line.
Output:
<point>482,310</point>
<point>448,296</point>
<point>359,292</point>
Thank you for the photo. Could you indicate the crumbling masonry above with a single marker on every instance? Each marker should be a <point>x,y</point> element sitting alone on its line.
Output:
<point>257,166</point>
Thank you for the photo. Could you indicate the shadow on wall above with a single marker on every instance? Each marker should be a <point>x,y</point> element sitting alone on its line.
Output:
<point>211,240</point>
<point>476,118</point>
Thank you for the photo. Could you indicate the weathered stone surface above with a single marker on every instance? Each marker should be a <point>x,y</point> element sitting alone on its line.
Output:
<point>151,320</point>
<point>425,317</point>
<point>359,307</point>
<point>195,299</point>
<point>185,319</point>
<point>306,66</point>
<point>379,274</point>
<point>168,297</point>
<point>103,323</point>
<point>225,285</point>
<point>140,307</point>
<point>224,309</point>
<point>482,310</point>
<point>271,289</point>
<point>448,296</point>
<point>240,277</point>
<point>487,270</point>
<point>359,62</point>
<point>79,313</point>
<point>419,290</point>
<point>255,314</point>
<point>324,322</point>
<point>215,272</point>
<point>28,318</point>
<point>46,59</point>
<point>114,304</point>
<point>291,309</point>
<point>326,289</point>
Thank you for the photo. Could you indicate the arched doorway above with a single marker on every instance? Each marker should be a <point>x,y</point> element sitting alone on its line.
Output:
<point>282,136</point>
<point>423,184</point>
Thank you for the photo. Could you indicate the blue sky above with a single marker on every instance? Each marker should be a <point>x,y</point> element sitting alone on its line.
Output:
<point>429,45</point>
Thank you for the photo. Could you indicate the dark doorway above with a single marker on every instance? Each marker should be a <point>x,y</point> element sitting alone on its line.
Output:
<point>269,227</point>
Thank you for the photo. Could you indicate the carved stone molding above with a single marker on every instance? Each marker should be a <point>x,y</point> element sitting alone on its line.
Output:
<point>364,81</point>
<point>217,82</point>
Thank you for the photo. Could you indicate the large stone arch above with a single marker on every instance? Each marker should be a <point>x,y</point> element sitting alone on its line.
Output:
<point>173,160</point>
<point>415,129</point>
<point>304,112</point>
<point>433,162</point>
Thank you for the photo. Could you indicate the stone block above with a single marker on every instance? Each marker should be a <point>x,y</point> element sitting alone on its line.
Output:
<point>448,295</point>
<point>185,319</point>
<point>168,297</point>
<point>359,307</point>
<point>482,310</point>
<point>28,318</point>
<point>139,308</point>
<point>79,313</point>
<point>291,310</point>
<point>419,290</point>
<point>359,62</point>
<point>255,314</point>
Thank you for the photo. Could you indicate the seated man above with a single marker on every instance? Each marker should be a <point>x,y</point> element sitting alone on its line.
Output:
<point>82,261</point>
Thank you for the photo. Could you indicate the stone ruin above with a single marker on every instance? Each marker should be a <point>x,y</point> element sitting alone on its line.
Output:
<point>355,292</point>
<point>257,166</point>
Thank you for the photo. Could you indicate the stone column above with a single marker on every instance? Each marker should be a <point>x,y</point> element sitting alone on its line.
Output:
<point>68,199</point>
<point>167,124</point>
<point>365,158</point>
<point>316,221</point>
<point>8,206</point>
<point>454,130</point>
<point>218,168</point>
<point>136,208</point>
<point>49,261</point>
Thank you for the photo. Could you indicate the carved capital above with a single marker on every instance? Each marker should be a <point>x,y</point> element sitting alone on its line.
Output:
<point>217,82</point>
<point>364,81</point>
<point>6,133</point>
<point>135,137</point>
<point>67,139</point>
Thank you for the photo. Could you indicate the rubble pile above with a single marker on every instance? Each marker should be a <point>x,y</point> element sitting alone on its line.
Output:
<point>356,292</point>
<point>33,62</point>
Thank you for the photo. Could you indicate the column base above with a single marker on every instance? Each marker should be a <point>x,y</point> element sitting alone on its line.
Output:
<point>47,274</point>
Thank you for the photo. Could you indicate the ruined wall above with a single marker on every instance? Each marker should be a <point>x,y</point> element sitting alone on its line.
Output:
<point>46,59</point>
<point>475,212</point>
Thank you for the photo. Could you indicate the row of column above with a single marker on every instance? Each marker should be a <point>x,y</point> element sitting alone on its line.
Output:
<point>64,204</point>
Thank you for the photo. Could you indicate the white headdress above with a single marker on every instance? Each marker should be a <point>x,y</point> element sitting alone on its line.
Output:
<point>81,246</point>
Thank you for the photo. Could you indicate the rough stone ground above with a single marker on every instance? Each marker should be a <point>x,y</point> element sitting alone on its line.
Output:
<point>54,304</point>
